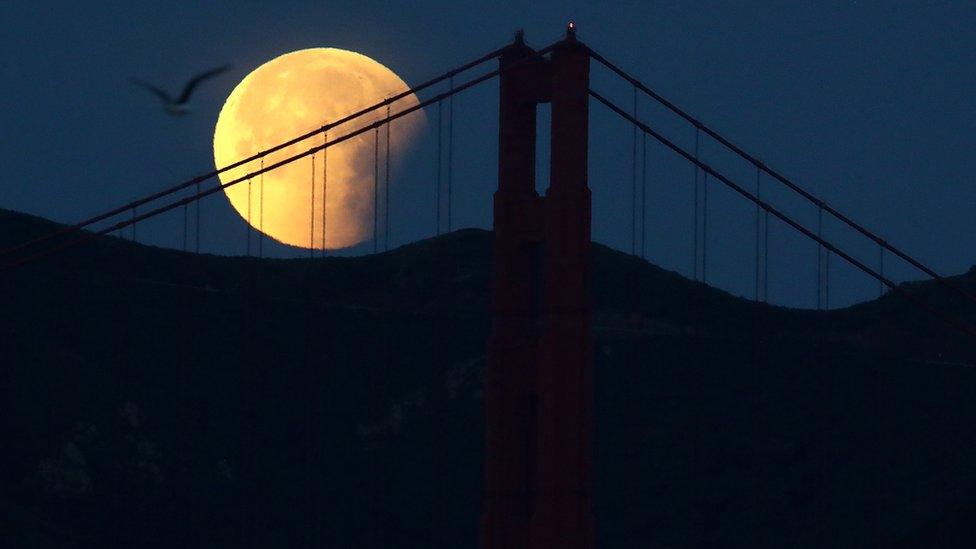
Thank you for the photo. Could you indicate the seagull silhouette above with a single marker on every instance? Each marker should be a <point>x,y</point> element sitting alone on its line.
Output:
<point>178,106</point>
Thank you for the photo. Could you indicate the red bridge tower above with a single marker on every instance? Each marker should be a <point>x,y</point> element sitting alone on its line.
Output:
<point>539,378</point>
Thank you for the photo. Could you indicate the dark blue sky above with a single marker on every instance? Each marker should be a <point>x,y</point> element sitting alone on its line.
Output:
<point>869,105</point>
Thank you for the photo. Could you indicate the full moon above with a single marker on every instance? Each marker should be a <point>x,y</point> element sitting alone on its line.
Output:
<point>332,206</point>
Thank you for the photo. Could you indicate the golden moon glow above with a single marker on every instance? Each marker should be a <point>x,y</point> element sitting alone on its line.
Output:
<point>287,97</point>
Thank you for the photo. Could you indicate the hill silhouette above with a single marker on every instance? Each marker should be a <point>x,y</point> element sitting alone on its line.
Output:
<point>153,398</point>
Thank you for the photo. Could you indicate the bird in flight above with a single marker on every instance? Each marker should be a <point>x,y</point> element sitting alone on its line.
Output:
<point>178,106</point>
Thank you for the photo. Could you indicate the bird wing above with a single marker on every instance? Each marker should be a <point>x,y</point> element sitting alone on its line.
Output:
<point>162,95</point>
<point>188,89</point>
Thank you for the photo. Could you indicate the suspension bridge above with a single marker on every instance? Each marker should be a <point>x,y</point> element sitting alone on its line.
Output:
<point>538,388</point>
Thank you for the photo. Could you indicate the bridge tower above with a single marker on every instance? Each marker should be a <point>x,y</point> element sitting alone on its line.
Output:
<point>538,384</point>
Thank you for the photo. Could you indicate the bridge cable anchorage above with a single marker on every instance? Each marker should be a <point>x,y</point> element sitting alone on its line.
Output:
<point>440,147</point>
<point>643,222</point>
<point>694,253</point>
<point>77,227</point>
<point>633,184</point>
<point>325,188</point>
<point>947,283</point>
<point>386,186</point>
<point>948,318</point>
<point>311,215</point>
<point>85,237</point>
<point>758,232</point>
<point>261,212</point>
<point>376,182</point>
<point>450,157</point>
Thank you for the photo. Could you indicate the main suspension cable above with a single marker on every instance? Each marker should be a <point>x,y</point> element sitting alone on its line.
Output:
<point>781,178</point>
<point>267,168</point>
<point>202,177</point>
<point>946,317</point>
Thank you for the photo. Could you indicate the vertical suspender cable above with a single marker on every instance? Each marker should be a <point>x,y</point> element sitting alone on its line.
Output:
<point>261,212</point>
<point>633,183</point>
<point>440,148</point>
<point>827,280</point>
<point>386,187</point>
<point>766,256</point>
<point>819,256</point>
<point>248,232</point>
<point>450,157</point>
<point>695,231</point>
<point>881,269</point>
<point>197,235</point>
<point>134,223</point>
<point>185,217</point>
<point>704,226</point>
<point>643,222</point>
<point>376,179</point>
<point>325,187</point>
<point>311,215</point>
<point>758,218</point>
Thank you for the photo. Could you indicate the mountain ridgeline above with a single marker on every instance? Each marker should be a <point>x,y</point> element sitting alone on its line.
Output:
<point>154,398</point>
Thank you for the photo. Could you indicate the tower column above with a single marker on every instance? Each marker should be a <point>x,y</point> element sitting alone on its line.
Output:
<point>562,515</point>
<point>538,384</point>
<point>515,294</point>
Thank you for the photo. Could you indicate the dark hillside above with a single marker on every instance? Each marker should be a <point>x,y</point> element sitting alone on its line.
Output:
<point>152,398</point>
